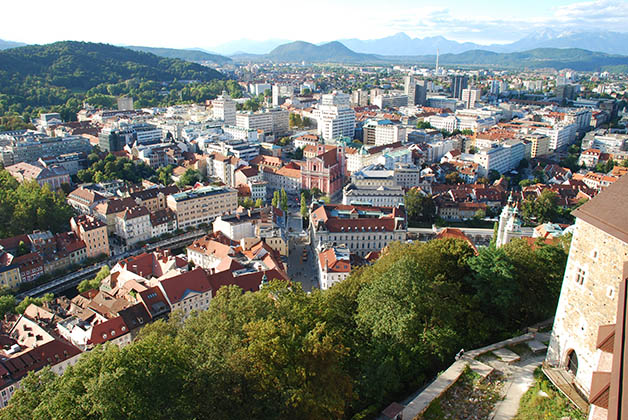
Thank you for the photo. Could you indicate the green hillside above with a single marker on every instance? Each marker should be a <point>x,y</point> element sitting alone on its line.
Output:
<point>573,58</point>
<point>60,76</point>
<point>557,58</point>
<point>187,55</point>
<point>330,52</point>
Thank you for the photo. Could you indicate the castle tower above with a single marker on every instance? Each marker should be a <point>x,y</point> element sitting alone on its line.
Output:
<point>589,294</point>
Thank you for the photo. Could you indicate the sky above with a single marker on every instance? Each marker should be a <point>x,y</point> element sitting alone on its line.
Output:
<point>208,24</point>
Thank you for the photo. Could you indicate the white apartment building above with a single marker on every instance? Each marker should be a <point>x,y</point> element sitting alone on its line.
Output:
<point>239,148</point>
<point>336,98</point>
<point>258,190</point>
<point>335,122</point>
<point>224,108</point>
<point>450,122</point>
<point>445,122</point>
<point>374,196</point>
<point>235,227</point>
<point>259,88</point>
<point>133,225</point>
<point>390,158</point>
<point>500,157</point>
<point>390,101</point>
<point>255,121</point>
<point>389,133</point>
<point>560,135</point>
<point>605,143</point>
<point>239,133</point>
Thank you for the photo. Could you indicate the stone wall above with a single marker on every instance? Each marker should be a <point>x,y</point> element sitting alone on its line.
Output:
<point>585,305</point>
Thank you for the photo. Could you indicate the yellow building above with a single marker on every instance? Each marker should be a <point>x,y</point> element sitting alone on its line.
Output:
<point>201,205</point>
<point>9,276</point>
<point>93,232</point>
<point>540,145</point>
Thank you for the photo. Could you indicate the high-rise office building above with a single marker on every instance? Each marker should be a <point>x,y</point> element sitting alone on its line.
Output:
<point>359,98</point>
<point>224,108</point>
<point>458,83</point>
<point>335,116</point>
<point>409,88</point>
<point>420,93</point>
<point>470,96</point>
<point>415,90</point>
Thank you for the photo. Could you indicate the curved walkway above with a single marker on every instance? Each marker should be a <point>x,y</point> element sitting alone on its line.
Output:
<point>520,379</point>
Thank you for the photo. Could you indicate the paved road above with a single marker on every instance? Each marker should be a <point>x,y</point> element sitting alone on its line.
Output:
<point>93,269</point>
<point>305,272</point>
<point>467,231</point>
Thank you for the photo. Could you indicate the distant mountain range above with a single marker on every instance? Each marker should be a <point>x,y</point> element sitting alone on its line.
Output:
<point>187,55</point>
<point>9,44</point>
<point>402,44</point>
<point>336,52</point>
<point>332,51</point>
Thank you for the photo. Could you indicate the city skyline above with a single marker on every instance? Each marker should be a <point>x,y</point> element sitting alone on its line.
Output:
<point>194,26</point>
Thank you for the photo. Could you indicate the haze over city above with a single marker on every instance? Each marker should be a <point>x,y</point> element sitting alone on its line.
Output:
<point>191,24</point>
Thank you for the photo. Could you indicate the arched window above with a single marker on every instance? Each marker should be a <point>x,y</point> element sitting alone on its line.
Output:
<point>572,362</point>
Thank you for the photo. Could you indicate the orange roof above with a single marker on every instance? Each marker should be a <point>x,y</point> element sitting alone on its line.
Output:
<point>328,260</point>
<point>453,233</point>
<point>290,173</point>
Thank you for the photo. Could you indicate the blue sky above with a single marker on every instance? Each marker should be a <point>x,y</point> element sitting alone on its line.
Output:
<point>206,23</point>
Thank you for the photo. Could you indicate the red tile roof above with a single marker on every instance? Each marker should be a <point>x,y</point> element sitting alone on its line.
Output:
<point>108,330</point>
<point>176,288</point>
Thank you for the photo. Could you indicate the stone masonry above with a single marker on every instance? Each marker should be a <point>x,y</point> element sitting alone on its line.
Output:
<point>587,299</point>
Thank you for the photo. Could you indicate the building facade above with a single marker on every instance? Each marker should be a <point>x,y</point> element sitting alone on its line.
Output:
<point>201,205</point>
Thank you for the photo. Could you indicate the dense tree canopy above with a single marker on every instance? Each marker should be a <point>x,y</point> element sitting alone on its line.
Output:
<point>60,76</point>
<point>89,284</point>
<point>541,209</point>
<point>283,353</point>
<point>26,207</point>
<point>112,167</point>
<point>190,177</point>
<point>420,208</point>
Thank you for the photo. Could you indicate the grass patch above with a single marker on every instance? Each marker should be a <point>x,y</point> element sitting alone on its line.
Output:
<point>469,397</point>
<point>553,407</point>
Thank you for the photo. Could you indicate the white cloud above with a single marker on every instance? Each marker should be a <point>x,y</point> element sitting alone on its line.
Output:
<point>607,15</point>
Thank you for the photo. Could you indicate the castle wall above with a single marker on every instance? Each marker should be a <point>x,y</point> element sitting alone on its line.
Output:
<point>587,300</point>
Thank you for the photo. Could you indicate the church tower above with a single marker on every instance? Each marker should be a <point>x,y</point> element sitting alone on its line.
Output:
<point>509,224</point>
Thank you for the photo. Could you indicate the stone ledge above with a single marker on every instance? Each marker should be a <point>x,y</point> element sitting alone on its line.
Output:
<point>510,342</point>
<point>434,390</point>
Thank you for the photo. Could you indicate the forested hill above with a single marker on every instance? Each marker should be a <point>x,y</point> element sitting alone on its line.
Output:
<point>188,55</point>
<point>60,76</point>
<point>82,65</point>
